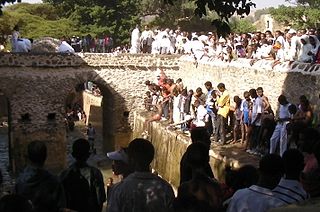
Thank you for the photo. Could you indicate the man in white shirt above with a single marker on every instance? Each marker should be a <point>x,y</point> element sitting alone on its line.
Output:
<point>260,198</point>
<point>280,132</point>
<point>200,114</point>
<point>146,40</point>
<point>65,48</point>
<point>256,119</point>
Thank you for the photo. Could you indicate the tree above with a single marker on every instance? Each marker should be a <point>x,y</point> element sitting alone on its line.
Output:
<point>311,3</point>
<point>100,18</point>
<point>241,26</point>
<point>298,17</point>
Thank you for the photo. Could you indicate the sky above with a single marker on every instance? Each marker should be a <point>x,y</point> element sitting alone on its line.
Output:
<point>260,4</point>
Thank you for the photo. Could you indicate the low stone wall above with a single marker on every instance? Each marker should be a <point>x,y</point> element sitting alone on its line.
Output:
<point>169,148</point>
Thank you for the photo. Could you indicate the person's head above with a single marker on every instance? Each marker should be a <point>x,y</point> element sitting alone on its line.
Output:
<point>37,153</point>
<point>140,154</point>
<point>16,28</point>
<point>148,93</point>
<point>293,162</point>
<point>244,177</point>
<point>214,94</point>
<point>246,95</point>
<point>259,91</point>
<point>198,91</point>
<point>304,104</point>
<point>184,92</point>
<point>197,156</point>
<point>190,92</point>
<point>221,87</point>
<point>312,40</point>
<point>15,203</point>
<point>282,100</point>
<point>200,134</point>
<point>208,85</point>
<point>179,80</point>
<point>304,39</point>
<point>81,150</point>
<point>89,125</point>
<point>120,164</point>
<point>147,82</point>
<point>270,170</point>
<point>292,109</point>
<point>253,93</point>
<point>237,100</point>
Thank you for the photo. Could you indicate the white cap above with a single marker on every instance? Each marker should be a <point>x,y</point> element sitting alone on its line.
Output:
<point>292,31</point>
<point>119,155</point>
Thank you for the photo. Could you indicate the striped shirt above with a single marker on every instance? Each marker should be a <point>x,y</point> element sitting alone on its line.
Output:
<point>290,191</point>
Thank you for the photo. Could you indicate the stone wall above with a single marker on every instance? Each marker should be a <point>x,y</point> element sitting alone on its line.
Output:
<point>169,148</point>
<point>37,85</point>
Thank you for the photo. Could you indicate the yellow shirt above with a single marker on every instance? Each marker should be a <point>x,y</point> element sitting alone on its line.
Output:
<point>223,103</point>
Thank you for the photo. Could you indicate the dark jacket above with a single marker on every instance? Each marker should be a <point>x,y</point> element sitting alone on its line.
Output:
<point>42,188</point>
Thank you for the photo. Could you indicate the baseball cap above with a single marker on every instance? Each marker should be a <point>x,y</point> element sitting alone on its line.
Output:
<point>119,155</point>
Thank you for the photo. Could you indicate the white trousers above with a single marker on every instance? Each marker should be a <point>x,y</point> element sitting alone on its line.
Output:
<point>279,134</point>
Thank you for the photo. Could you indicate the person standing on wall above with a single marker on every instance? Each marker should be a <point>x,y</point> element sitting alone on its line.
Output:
<point>223,103</point>
<point>91,133</point>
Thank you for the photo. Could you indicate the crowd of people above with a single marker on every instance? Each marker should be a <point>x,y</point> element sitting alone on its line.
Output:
<point>248,119</point>
<point>279,181</point>
<point>281,46</point>
<point>288,45</point>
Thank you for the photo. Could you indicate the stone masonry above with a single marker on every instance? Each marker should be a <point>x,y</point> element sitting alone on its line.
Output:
<point>37,86</point>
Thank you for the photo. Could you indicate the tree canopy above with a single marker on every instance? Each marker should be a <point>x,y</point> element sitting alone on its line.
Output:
<point>297,17</point>
<point>311,3</point>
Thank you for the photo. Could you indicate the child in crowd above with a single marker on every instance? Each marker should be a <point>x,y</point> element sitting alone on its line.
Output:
<point>237,118</point>
<point>246,108</point>
<point>148,101</point>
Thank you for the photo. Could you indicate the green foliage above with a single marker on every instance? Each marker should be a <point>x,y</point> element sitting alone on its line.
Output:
<point>100,18</point>
<point>297,17</point>
<point>311,3</point>
<point>34,25</point>
<point>242,26</point>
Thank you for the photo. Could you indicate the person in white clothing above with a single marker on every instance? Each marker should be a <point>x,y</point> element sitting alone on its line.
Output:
<point>23,45</point>
<point>65,48</point>
<point>304,56</point>
<point>280,132</point>
<point>200,114</point>
<point>135,41</point>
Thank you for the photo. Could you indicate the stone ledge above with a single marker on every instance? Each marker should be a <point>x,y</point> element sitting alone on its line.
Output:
<point>171,145</point>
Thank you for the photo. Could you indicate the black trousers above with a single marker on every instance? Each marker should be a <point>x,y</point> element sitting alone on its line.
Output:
<point>220,129</point>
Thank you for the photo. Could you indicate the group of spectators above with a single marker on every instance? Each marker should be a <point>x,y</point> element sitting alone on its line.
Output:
<point>288,45</point>
<point>249,119</point>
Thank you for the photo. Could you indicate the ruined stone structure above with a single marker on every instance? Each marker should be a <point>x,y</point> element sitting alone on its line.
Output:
<point>37,87</point>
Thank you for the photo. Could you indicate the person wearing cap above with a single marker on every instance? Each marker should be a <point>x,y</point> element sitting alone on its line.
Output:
<point>142,190</point>
<point>259,197</point>
<point>120,165</point>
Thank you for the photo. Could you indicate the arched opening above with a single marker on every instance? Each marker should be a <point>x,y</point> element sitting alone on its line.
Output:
<point>90,103</point>
<point>6,159</point>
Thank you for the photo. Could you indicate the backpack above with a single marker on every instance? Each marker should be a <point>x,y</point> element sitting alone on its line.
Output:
<point>80,195</point>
